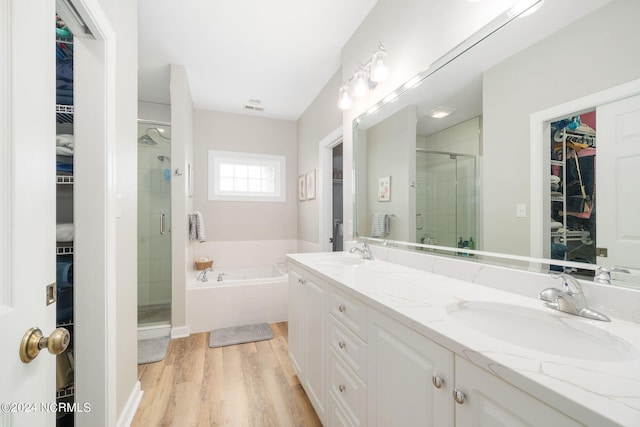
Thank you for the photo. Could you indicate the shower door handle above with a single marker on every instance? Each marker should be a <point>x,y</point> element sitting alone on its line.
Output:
<point>161,222</point>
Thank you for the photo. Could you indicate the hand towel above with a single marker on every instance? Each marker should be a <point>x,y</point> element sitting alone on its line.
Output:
<point>196,227</point>
<point>380,225</point>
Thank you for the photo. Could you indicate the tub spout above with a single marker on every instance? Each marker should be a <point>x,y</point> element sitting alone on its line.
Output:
<point>202,276</point>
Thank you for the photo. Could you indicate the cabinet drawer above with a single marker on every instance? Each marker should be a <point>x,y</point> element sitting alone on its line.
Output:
<point>337,415</point>
<point>349,347</point>
<point>347,390</point>
<point>350,311</point>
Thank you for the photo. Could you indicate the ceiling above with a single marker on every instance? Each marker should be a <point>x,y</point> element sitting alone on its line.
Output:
<point>280,52</point>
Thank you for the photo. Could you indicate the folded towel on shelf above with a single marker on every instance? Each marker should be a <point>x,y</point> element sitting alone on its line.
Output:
<point>64,273</point>
<point>64,151</point>
<point>62,166</point>
<point>380,225</point>
<point>64,232</point>
<point>196,227</point>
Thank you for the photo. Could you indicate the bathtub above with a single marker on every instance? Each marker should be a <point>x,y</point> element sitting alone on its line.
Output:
<point>236,296</point>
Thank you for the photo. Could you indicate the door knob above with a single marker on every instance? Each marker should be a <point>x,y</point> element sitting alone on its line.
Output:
<point>33,341</point>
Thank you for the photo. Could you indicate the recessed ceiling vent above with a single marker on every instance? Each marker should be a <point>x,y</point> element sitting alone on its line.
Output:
<point>253,107</point>
<point>254,104</point>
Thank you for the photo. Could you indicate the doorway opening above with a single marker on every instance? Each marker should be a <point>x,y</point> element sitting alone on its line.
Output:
<point>337,190</point>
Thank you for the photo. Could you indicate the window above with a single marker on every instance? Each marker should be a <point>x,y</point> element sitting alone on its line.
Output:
<point>246,177</point>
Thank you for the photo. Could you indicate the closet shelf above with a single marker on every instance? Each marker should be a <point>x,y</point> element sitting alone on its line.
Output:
<point>68,391</point>
<point>64,324</point>
<point>64,179</point>
<point>64,113</point>
<point>64,250</point>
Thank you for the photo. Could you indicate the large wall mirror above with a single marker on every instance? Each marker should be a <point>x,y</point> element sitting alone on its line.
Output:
<point>524,141</point>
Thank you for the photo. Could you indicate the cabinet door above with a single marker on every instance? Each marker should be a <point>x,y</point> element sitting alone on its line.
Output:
<point>402,364</point>
<point>490,401</point>
<point>315,342</point>
<point>296,303</point>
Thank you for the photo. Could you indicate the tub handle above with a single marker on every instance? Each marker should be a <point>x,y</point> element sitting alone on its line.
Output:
<point>161,222</point>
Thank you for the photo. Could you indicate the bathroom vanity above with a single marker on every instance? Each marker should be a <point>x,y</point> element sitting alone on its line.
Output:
<point>376,343</point>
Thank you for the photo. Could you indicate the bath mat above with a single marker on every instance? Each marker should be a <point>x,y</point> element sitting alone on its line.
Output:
<point>239,335</point>
<point>152,350</point>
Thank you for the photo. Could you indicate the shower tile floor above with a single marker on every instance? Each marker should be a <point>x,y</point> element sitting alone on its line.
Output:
<point>155,314</point>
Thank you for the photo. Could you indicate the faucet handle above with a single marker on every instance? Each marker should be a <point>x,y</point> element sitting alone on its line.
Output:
<point>570,284</point>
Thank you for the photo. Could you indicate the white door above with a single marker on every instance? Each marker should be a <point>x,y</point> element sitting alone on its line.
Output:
<point>617,176</point>
<point>27,209</point>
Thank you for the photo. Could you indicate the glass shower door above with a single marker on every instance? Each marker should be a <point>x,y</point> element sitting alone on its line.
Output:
<point>445,198</point>
<point>154,219</point>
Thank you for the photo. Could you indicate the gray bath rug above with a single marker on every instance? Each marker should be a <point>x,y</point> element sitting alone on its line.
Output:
<point>152,350</point>
<point>239,334</point>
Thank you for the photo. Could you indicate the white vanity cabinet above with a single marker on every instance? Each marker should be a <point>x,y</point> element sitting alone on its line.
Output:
<point>410,377</point>
<point>348,352</point>
<point>307,334</point>
<point>485,400</point>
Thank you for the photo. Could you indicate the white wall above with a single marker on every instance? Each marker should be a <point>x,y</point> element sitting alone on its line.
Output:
<point>391,151</point>
<point>182,155</point>
<point>245,221</point>
<point>154,112</point>
<point>318,121</point>
<point>532,77</point>
<point>123,17</point>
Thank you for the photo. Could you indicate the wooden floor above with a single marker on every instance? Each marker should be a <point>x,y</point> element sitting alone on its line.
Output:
<point>242,385</point>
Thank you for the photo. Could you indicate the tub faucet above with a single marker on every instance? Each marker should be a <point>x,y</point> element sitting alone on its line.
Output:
<point>603,274</point>
<point>570,299</point>
<point>202,276</point>
<point>365,251</point>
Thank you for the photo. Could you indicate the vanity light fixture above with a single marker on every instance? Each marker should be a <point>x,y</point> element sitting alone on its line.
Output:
<point>441,112</point>
<point>366,78</point>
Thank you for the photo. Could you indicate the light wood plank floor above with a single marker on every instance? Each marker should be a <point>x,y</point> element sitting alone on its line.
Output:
<point>242,385</point>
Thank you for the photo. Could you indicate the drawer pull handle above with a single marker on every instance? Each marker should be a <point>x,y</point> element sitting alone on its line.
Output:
<point>458,396</point>
<point>437,381</point>
<point>342,344</point>
<point>342,308</point>
<point>342,388</point>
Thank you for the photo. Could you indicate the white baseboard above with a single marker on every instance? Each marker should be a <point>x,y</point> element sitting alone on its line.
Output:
<point>129,411</point>
<point>179,332</point>
<point>148,332</point>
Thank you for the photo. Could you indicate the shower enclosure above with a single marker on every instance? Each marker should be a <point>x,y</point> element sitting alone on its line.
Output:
<point>154,220</point>
<point>445,198</point>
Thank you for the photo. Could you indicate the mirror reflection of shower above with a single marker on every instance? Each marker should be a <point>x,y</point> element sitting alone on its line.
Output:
<point>154,224</point>
<point>147,139</point>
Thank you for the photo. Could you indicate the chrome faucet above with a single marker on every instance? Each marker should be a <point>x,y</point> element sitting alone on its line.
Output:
<point>365,251</point>
<point>570,299</point>
<point>603,274</point>
<point>202,276</point>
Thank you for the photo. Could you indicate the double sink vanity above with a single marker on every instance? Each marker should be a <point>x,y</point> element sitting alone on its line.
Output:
<point>377,343</point>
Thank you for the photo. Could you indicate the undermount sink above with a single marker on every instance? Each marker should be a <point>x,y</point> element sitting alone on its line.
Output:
<point>339,261</point>
<point>542,331</point>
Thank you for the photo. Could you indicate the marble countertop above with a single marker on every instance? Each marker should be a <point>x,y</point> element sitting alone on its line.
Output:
<point>585,368</point>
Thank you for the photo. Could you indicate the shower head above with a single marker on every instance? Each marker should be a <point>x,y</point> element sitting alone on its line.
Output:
<point>163,158</point>
<point>146,140</point>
